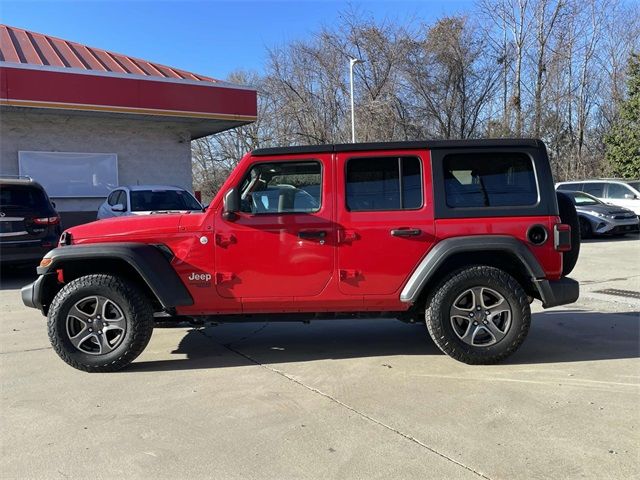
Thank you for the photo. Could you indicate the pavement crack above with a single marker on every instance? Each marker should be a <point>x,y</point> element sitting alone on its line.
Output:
<point>406,436</point>
<point>27,350</point>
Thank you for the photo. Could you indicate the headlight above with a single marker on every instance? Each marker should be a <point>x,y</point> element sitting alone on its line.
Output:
<point>596,214</point>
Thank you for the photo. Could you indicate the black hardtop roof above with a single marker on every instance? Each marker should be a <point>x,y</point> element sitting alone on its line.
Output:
<point>419,144</point>
<point>19,180</point>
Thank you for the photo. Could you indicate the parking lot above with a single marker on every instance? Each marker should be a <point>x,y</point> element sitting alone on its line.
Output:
<point>337,399</point>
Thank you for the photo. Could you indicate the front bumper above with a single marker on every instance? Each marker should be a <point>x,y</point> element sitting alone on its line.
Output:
<point>558,292</point>
<point>608,226</point>
<point>32,294</point>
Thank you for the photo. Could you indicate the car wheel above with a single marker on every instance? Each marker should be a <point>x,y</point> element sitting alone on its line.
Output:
<point>586,231</point>
<point>100,323</point>
<point>478,315</point>
<point>569,216</point>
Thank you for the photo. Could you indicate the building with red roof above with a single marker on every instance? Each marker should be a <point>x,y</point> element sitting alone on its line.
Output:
<point>120,119</point>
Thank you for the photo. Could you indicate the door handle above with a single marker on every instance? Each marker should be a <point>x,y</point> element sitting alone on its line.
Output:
<point>406,232</point>
<point>312,234</point>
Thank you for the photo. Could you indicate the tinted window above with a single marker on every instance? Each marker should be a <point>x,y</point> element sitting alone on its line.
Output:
<point>154,200</point>
<point>23,196</point>
<point>282,187</point>
<point>570,187</point>
<point>618,191</point>
<point>596,189</point>
<point>489,180</point>
<point>384,183</point>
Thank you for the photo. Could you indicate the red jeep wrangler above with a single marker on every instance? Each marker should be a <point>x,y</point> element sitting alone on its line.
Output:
<point>464,234</point>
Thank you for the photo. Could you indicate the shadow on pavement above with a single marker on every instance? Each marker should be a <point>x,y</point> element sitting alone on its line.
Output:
<point>16,276</point>
<point>629,237</point>
<point>555,337</point>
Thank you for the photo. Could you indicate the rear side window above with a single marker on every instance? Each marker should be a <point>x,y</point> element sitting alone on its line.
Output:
<point>618,191</point>
<point>384,183</point>
<point>596,189</point>
<point>489,180</point>
<point>23,196</point>
<point>570,187</point>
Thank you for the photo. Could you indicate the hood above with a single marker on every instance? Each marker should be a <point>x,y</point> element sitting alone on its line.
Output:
<point>128,228</point>
<point>606,210</point>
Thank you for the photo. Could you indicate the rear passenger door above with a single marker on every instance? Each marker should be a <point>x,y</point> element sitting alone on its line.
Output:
<point>384,219</point>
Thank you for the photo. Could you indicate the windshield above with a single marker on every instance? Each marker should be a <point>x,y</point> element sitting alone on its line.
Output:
<point>582,199</point>
<point>149,200</point>
<point>635,184</point>
<point>23,196</point>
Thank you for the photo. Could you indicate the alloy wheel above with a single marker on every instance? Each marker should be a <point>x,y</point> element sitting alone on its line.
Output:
<point>96,325</point>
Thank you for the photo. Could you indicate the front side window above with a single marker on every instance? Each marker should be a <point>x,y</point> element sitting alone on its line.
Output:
<point>618,191</point>
<point>384,183</point>
<point>489,180</point>
<point>282,187</point>
<point>112,200</point>
<point>594,188</point>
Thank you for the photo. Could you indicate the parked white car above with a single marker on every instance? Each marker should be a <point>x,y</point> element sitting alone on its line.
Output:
<point>147,199</point>
<point>623,193</point>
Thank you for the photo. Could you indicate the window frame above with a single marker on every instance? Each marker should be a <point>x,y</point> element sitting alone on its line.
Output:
<point>400,171</point>
<point>546,206</point>
<point>262,214</point>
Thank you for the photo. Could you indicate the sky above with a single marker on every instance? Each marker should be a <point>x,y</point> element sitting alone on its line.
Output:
<point>211,38</point>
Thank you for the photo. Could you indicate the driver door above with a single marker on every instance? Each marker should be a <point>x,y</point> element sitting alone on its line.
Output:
<point>280,245</point>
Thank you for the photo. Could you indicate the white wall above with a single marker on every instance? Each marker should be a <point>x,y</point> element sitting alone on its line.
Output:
<point>148,151</point>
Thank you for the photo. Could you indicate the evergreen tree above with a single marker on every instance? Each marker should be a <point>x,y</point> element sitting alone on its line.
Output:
<point>623,141</point>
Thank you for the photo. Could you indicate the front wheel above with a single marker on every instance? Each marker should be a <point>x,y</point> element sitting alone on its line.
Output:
<point>478,315</point>
<point>100,323</point>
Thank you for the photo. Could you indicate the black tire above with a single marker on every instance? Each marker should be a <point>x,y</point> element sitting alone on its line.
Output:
<point>137,323</point>
<point>439,319</point>
<point>569,216</point>
<point>586,231</point>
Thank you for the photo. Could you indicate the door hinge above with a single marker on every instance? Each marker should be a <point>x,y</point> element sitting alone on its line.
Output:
<point>221,277</point>
<point>225,239</point>
<point>346,236</point>
<point>348,274</point>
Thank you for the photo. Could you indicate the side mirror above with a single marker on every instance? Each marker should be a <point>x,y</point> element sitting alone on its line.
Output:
<point>231,204</point>
<point>630,196</point>
<point>117,208</point>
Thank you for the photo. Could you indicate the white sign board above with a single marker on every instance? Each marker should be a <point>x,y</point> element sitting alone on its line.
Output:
<point>65,174</point>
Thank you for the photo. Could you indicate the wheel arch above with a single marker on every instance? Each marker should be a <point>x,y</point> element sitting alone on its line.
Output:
<point>503,252</point>
<point>147,266</point>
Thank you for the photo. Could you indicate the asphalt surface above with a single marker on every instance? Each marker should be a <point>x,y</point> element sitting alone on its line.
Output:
<point>336,399</point>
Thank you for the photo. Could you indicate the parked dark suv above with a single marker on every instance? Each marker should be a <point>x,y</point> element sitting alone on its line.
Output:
<point>29,223</point>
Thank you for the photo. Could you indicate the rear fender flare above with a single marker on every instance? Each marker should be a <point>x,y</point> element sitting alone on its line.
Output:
<point>468,244</point>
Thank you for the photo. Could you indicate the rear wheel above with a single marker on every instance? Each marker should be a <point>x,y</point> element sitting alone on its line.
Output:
<point>100,323</point>
<point>479,315</point>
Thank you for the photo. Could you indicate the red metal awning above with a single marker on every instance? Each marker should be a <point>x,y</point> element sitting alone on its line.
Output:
<point>39,71</point>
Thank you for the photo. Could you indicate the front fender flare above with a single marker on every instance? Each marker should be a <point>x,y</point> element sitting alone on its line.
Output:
<point>148,261</point>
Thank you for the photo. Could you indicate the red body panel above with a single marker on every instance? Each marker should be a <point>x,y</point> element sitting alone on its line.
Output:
<point>258,263</point>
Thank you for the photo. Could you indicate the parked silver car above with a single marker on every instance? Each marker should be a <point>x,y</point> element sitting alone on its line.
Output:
<point>623,193</point>
<point>599,218</point>
<point>147,199</point>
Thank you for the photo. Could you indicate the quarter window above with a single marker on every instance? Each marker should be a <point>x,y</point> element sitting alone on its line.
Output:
<point>282,187</point>
<point>384,183</point>
<point>489,180</point>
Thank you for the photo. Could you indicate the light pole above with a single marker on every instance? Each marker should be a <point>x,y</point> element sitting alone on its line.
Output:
<point>352,62</point>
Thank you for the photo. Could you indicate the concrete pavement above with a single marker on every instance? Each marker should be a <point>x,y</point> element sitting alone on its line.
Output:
<point>336,399</point>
